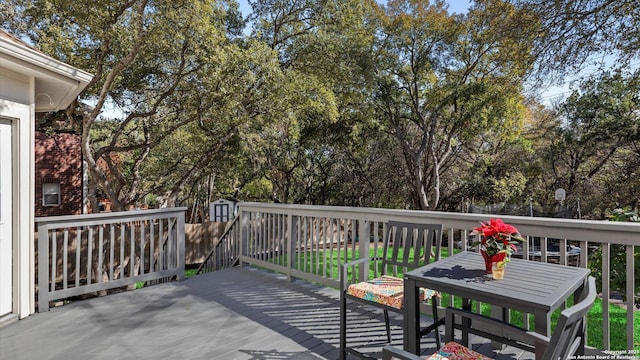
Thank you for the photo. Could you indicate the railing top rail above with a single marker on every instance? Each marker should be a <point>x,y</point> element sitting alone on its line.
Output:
<point>110,216</point>
<point>573,229</point>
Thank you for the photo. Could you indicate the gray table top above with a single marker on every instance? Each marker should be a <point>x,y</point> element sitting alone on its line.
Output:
<point>527,286</point>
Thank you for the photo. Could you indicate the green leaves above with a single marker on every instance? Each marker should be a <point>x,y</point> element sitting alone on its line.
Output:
<point>338,102</point>
<point>445,81</point>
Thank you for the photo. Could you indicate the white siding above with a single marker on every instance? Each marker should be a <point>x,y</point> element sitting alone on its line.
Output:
<point>14,87</point>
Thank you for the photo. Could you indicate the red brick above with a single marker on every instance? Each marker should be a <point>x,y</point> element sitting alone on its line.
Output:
<point>59,158</point>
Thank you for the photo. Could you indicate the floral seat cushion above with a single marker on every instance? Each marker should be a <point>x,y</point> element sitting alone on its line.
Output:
<point>455,351</point>
<point>386,290</point>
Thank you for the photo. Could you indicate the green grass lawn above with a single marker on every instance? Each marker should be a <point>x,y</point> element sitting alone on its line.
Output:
<point>190,272</point>
<point>187,274</point>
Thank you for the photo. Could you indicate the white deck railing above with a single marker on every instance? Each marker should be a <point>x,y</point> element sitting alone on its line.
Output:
<point>300,240</point>
<point>90,253</point>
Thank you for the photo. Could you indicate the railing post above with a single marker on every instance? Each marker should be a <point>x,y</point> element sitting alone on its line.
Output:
<point>181,250</point>
<point>292,225</point>
<point>606,283</point>
<point>43,269</point>
<point>630,299</point>
<point>244,235</point>
<point>364,243</point>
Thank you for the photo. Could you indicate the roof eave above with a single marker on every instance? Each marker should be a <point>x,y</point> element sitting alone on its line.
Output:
<point>68,80</point>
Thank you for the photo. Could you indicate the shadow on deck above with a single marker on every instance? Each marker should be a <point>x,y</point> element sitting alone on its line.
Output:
<point>239,313</point>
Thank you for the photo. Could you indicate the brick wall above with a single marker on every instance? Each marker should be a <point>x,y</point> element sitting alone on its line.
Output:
<point>58,159</point>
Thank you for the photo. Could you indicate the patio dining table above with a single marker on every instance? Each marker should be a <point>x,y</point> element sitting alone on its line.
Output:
<point>528,286</point>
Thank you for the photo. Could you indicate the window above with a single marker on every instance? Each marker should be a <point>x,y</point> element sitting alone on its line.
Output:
<point>221,212</point>
<point>50,194</point>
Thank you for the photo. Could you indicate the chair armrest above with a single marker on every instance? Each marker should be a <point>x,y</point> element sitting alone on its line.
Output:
<point>499,330</point>
<point>391,352</point>
<point>535,336</point>
<point>344,268</point>
<point>356,262</point>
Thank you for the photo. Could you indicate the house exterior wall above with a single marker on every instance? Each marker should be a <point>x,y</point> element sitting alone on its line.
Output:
<point>58,160</point>
<point>22,119</point>
<point>14,87</point>
<point>27,74</point>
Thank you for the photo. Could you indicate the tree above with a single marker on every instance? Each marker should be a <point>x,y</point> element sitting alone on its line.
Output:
<point>236,97</point>
<point>446,80</point>
<point>596,129</point>
<point>570,32</point>
<point>321,46</point>
<point>146,57</point>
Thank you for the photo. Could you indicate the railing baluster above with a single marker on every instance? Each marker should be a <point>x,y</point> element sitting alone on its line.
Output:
<point>563,252</point>
<point>132,252</point>
<point>257,242</point>
<point>170,252</point>
<point>89,254</point>
<point>315,243</point>
<point>305,246</point>
<point>352,236</point>
<point>142,242</point>
<point>112,245</point>
<point>161,253</point>
<point>283,240</point>
<point>152,248</point>
<point>54,260</point>
<point>325,239</point>
<point>264,223</point>
<point>262,247</point>
<point>78,253</point>
<point>122,246</point>
<point>332,240</point>
<point>272,238</point>
<point>630,299</point>
<point>100,251</point>
<point>606,295</point>
<point>65,256</point>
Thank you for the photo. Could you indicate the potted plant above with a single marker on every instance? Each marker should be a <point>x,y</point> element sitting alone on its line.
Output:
<point>497,243</point>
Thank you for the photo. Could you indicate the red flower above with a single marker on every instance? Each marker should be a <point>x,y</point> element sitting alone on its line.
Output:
<point>497,238</point>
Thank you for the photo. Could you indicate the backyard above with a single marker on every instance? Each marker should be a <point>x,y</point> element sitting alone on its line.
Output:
<point>328,262</point>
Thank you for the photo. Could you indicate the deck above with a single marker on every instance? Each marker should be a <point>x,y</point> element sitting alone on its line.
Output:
<point>239,313</point>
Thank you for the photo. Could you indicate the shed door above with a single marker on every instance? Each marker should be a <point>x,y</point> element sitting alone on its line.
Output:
<point>6,238</point>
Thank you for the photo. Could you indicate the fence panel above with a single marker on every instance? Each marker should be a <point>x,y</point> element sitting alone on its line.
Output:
<point>149,244</point>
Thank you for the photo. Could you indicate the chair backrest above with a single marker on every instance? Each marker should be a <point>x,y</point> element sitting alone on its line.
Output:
<point>566,337</point>
<point>408,246</point>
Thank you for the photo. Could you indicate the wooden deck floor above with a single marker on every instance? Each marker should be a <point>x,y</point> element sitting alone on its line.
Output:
<point>240,313</point>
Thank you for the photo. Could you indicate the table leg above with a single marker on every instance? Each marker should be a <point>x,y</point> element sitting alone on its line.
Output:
<point>466,323</point>
<point>542,326</point>
<point>504,315</point>
<point>411,327</point>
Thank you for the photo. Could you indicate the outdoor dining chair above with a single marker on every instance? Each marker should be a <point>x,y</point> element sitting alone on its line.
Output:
<point>565,342</point>
<point>406,246</point>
